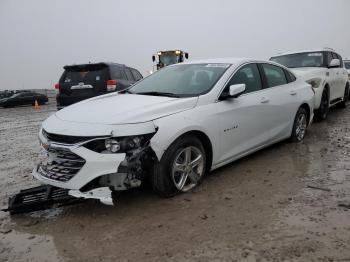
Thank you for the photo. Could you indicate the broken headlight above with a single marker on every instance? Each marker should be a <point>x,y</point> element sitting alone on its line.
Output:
<point>119,144</point>
<point>125,144</point>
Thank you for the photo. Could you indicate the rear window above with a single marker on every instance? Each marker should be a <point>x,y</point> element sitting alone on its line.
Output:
<point>117,73</point>
<point>136,74</point>
<point>128,74</point>
<point>84,74</point>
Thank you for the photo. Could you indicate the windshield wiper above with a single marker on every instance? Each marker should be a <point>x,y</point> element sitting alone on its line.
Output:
<point>154,93</point>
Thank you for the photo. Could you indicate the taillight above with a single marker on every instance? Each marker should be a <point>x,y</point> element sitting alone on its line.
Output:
<point>57,86</point>
<point>111,85</point>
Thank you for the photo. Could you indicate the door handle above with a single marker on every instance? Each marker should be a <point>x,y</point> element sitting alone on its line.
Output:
<point>293,93</point>
<point>264,100</point>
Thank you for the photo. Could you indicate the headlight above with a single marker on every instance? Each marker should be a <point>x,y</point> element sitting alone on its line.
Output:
<point>314,82</point>
<point>122,145</point>
<point>112,145</point>
<point>119,144</point>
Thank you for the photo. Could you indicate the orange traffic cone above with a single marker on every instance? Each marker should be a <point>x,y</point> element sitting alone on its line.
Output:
<point>36,105</point>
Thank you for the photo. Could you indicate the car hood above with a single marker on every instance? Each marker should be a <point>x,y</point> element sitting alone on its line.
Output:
<point>124,109</point>
<point>309,72</point>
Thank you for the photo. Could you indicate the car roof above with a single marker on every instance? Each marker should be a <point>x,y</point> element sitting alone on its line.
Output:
<point>306,51</point>
<point>232,60</point>
<point>98,64</point>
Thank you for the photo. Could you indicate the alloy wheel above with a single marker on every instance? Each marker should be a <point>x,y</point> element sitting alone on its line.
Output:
<point>300,128</point>
<point>188,168</point>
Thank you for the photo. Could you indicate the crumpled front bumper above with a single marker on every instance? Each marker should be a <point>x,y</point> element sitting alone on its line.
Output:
<point>96,165</point>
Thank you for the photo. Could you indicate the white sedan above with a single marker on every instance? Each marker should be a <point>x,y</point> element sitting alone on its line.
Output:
<point>173,127</point>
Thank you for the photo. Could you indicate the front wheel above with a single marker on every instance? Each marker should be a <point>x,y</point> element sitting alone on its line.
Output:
<point>322,112</point>
<point>181,168</point>
<point>299,126</point>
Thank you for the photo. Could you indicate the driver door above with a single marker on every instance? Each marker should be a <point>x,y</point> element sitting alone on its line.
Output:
<point>242,125</point>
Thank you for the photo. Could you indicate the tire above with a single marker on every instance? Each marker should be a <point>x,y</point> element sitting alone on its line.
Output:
<point>167,180</point>
<point>322,112</point>
<point>342,104</point>
<point>299,126</point>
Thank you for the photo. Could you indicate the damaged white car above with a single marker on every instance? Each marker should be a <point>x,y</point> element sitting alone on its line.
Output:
<point>173,127</point>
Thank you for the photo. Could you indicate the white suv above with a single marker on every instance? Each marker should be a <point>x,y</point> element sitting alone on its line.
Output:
<point>324,70</point>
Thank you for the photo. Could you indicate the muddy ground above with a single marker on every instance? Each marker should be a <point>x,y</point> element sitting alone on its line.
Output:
<point>259,208</point>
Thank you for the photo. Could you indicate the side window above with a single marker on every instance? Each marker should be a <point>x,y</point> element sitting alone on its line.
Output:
<point>128,74</point>
<point>329,58</point>
<point>274,75</point>
<point>136,74</point>
<point>341,61</point>
<point>290,76</point>
<point>336,56</point>
<point>248,75</point>
<point>117,73</point>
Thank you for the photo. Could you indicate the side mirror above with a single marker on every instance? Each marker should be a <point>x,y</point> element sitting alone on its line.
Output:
<point>334,63</point>
<point>236,90</point>
<point>186,55</point>
<point>153,58</point>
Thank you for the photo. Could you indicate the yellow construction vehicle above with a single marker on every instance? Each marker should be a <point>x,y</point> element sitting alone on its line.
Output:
<point>169,57</point>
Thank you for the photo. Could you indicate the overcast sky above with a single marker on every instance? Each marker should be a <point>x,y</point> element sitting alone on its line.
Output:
<point>38,37</point>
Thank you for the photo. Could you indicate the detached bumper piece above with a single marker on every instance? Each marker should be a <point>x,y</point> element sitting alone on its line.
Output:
<point>39,198</point>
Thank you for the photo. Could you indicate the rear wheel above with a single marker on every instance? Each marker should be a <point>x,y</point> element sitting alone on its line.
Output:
<point>299,126</point>
<point>322,112</point>
<point>181,168</point>
<point>342,104</point>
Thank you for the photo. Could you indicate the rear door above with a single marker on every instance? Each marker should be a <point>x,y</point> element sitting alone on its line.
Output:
<point>85,80</point>
<point>282,99</point>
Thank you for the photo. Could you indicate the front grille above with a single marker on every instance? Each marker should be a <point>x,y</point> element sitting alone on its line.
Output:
<point>61,165</point>
<point>63,139</point>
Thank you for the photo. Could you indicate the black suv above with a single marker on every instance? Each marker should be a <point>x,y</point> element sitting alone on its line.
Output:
<point>79,82</point>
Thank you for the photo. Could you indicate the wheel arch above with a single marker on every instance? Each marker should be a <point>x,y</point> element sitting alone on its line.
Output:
<point>205,140</point>
<point>326,87</point>
<point>159,147</point>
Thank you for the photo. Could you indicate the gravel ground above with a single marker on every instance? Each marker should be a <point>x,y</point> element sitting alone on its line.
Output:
<point>260,208</point>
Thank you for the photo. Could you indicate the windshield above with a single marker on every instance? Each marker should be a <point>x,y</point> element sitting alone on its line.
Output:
<point>308,59</point>
<point>182,80</point>
<point>168,59</point>
<point>347,64</point>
